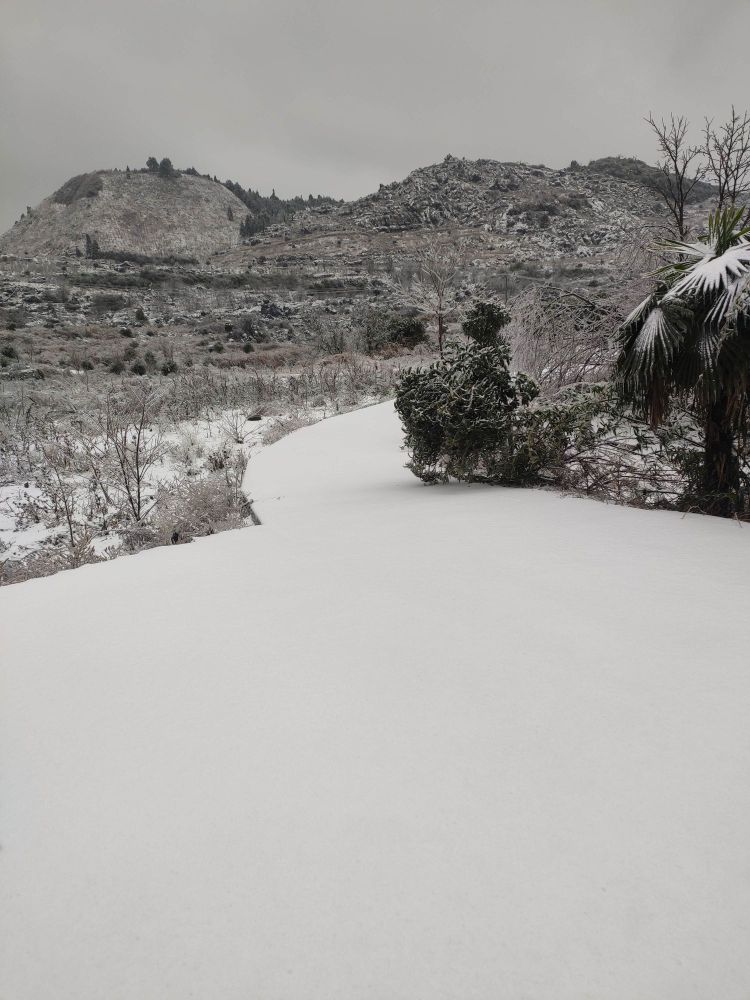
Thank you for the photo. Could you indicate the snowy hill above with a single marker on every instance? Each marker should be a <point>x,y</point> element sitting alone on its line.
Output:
<point>555,210</point>
<point>509,197</point>
<point>398,742</point>
<point>139,212</point>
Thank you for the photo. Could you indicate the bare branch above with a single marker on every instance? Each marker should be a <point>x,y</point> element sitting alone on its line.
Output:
<point>727,152</point>
<point>681,167</point>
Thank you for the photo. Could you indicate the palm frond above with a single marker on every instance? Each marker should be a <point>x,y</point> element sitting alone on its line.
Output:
<point>724,229</point>
<point>740,305</point>
<point>656,342</point>
<point>708,268</point>
<point>692,334</point>
<point>713,275</point>
<point>638,315</point>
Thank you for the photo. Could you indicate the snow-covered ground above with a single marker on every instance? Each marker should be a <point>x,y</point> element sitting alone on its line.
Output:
<point>400,743</point>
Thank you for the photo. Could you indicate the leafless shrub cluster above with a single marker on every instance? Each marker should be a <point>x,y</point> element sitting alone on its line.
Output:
<point>123,444</point>
<point>47,561</point>
<point>561,338</point>
<point>330,382</point>
<point>189,508</point>
<point>620,459</point>
<point>125,464</point>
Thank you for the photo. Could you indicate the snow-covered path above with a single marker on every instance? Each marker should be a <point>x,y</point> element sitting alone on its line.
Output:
<point>398,743</point>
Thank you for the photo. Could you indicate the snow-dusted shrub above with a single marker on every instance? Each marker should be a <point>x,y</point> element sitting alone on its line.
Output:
<point>188,450</point>
<point>47,561</point>
<point>235,425</point>
<point>381,330</point>
<point>327,334</point>
<point>484,322</point>
<point>216,458</point>
<point>470,418</point>
<point>607,452</point>
<point>190,508</point>
<point>467,416</point>
<point>563,338</point>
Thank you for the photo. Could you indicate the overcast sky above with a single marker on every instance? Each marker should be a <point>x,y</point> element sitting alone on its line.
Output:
<point>337,96</point>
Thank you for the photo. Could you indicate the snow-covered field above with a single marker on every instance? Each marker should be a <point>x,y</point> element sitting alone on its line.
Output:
<point>399,743</point>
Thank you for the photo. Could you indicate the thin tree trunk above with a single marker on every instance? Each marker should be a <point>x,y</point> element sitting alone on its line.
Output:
<point>721,472</point>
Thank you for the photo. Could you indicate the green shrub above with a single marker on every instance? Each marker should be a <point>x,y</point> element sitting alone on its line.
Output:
<point>467,417</point>
<point>378,328</point>
<point>484,323</point>
<point>470,418</point>
<point>407,331</point>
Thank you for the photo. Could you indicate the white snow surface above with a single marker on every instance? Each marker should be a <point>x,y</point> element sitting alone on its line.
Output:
<point>398,743</point>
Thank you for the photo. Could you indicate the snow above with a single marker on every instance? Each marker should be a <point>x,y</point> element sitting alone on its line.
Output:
<point>399,743</point>
<point>18,538</point>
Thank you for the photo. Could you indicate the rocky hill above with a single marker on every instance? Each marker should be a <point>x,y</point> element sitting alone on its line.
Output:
<point>133,212</point>
<point>563,210</point>
<point>511,217</point>
<point>631,169</point>
<point>518,224</point>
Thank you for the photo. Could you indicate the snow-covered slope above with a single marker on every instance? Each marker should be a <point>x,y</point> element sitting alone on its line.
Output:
<point>136,212</point>
<point>398,743</point>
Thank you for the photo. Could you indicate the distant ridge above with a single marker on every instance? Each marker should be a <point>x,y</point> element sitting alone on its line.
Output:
<point>179,215</point>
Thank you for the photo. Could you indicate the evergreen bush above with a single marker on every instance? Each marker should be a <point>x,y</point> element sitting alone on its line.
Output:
<point>467,417</point>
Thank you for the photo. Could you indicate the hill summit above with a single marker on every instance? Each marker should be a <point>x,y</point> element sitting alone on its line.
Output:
<point>139,212</point>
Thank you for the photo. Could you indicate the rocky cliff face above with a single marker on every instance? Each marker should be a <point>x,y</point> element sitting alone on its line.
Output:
<point>134,212</point>
<point>564,209</point>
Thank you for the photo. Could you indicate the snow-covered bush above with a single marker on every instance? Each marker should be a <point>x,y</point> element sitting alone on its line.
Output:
<point>467,416</point>
<point>379,331</point>
<point>189,508</point>
<point>562,338</point>
<point>282,426</point>
<point>484,322</point>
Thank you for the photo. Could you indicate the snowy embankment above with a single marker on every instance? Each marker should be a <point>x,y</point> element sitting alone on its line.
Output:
<point>400,743</point>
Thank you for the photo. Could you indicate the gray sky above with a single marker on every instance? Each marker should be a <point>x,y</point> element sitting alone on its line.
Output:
<point>337,96</point>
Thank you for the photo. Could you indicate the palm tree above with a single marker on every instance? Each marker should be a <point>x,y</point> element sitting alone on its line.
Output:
<point>690,339</point>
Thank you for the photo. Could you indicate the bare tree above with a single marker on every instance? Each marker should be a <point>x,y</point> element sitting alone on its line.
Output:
<point>62,488</point>
<point>681,166</point>
<point>432,283</point>
<point>234,423</point>
<point>560,337</point>
<point>727,153</point>
<point>66,501</point>
<point>126,446</point>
